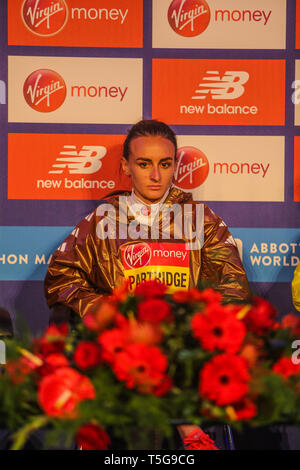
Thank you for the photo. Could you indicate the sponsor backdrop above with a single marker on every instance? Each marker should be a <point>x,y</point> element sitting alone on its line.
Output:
<point>76,74</point>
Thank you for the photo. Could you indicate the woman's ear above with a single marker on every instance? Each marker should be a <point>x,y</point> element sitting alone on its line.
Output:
<point>125,167</point>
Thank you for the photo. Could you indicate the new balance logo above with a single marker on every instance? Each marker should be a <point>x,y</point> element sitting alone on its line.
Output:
<point>228,87</point>
<point>86,161</point>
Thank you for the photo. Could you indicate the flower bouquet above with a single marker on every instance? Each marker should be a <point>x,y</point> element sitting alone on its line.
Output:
<point>140,361</point>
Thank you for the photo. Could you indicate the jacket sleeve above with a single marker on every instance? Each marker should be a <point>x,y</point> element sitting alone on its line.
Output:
<point>296,288</point>
<point>74,274</point>
<point>221,265</point>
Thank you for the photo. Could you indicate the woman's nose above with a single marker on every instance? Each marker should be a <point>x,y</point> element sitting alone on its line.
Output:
<point>155,174</point>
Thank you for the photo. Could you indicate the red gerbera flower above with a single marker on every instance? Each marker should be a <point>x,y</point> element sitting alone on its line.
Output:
<point>245,409</point>
<point>260,317</point>
<point>112,342</point>
<point>192,296</point>
<point>92,437</point>
<point>218,328</point>
<point>154,311</point>
<point>101,315</point>
<point>87,355</point>
<point>141,366</point>
<point>163,387</point>
<point>292,322</point>
<point>151,289</point>
<point>224,379</point>
<point>285,367</point>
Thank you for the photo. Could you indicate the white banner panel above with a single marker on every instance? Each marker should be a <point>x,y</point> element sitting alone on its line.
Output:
<point>231,168</point>
<point>74,89</point>
<point>235,24</point>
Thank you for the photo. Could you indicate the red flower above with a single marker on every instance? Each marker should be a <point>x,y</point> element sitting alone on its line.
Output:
<point>112,342</point>
<point>150,289</point>
<point>251,353</point>
<point>53,362</point>
<point>120,293</point>
<point>154,311</point>
<point>18,370</point>
<point>261,316</point>
<point>291,322</point>
<point>218,328</point>
<point>199,440</point>
<point>192,296</point>
<point>163,387</point>
<point>92,437</point>
<point>100,316</point>
<point>59,393</point>
<point>141,366</point>
<point>286,368</point>
<point>87,355</point>
<point>224,379</point>
<point>53,341</point>
<point>245,409</point>
<point>143,332</point>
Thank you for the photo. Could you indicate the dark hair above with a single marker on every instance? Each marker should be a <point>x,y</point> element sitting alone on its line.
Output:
<point>149,127</point>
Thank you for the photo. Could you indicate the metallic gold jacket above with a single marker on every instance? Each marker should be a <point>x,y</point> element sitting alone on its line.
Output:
<point>98,255</point>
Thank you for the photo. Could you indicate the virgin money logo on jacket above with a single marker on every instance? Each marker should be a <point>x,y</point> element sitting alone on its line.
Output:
<point>219,92</point>
<point>137,255</point>
<point>45,17</point>
<point>192,168</point>
<point>189,17</point>
<point>44,90</point>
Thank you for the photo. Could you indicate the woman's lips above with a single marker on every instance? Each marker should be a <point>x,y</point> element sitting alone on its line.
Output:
<point>154,187</point>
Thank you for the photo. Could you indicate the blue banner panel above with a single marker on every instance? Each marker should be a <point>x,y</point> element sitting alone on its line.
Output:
<point>25,251</point>
<point>269,254</point>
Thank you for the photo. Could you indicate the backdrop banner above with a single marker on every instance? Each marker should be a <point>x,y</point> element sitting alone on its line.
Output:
<point>76,74</point>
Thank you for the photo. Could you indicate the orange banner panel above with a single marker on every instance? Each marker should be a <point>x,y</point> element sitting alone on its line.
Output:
<point>75,23</point>
<point>64,166</point>
<point>219,92</point>
<point>297,24</point>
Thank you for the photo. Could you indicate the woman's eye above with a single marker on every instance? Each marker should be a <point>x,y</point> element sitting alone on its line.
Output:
<point>143,164</point>
<point>165,165</point>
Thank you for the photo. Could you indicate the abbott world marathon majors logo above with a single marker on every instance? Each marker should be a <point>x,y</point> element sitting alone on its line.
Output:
<point>227,86</point>
<point>192,168</point>
<point>189,17</point>
<point>45,17</point>
<point>44,90</point>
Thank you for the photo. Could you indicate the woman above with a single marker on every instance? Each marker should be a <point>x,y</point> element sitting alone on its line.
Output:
<point>296,288</point>
<point>155,232</point>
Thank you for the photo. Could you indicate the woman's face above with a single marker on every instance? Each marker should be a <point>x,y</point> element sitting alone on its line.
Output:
<point>151,166</point>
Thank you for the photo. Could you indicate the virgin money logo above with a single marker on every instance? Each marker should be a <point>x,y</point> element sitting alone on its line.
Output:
<point>192,168</point>
<point>189,17</point>
<point>45,17</point>
<point>85,161</point>
<point>226,87</point>
<point>44,90</point>
<point>138,255</point>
